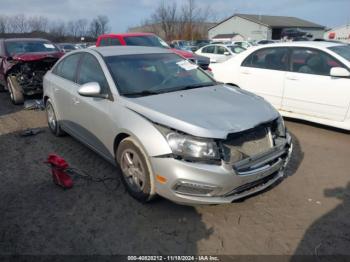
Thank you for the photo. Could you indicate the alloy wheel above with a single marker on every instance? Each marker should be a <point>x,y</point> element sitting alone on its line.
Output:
<point>133,169</point>
<point>51,117</point>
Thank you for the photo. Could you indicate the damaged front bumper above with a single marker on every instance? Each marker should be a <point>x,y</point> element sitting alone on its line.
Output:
<point>200,183</point>
<point>29,74</point>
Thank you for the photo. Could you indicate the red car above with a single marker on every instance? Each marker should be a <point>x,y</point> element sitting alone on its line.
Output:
<point>23,64</point>
<point>148,39</point>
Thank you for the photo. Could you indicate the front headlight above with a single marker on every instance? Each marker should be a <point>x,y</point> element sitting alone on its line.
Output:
<point>191,147</point>
<point>280,128</point>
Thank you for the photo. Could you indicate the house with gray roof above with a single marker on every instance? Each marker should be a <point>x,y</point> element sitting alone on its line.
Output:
<point>259,27</point>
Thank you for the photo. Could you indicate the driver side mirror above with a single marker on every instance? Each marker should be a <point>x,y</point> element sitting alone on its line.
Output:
<point>91,89</point>
<point>227,53</point>
<point>339,72</point>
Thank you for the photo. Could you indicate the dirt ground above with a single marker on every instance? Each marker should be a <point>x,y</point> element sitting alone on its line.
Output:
<point>308,213</point>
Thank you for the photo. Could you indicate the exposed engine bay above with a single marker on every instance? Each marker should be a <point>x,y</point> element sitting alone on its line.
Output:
<point>29,75</point>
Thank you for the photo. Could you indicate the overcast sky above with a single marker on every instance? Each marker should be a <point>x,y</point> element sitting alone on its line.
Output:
<point>126,13</point>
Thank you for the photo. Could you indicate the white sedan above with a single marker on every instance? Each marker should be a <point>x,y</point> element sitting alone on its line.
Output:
<point>304,80</point>
<point>219,52</point>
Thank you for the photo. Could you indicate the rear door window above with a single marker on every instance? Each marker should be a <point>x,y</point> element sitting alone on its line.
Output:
<point>220,50</point>
<point>208,50</point>
<point>268,58</point>
<point>242,44</point>
<point>91,71</point>
<point>67,68</point>
<point>312,61</point>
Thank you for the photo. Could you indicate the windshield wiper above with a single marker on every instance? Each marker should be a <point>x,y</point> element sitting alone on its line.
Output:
<point>194,86</point>
<point>142,93</point>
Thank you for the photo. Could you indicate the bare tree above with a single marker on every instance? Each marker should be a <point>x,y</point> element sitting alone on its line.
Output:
<point>99,26</point>
<point>95,28</point>
<point>38,23</point>
<point>18,24</point>
<point>3,24</point>
<point>191,17</point>
<point>72,28</point>
<point>104,21</point>
<point>58,29</point>
<point>185,22</point>
<point>166,16</point>
<point>81,25</point>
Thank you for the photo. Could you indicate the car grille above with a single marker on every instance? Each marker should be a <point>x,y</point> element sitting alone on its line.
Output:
<point>253,142</point>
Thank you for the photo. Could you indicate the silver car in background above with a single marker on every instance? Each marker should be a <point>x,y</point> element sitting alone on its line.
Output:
<point>170,127</point>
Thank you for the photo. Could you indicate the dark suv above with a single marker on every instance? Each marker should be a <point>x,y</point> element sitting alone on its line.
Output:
<point>23,64</point>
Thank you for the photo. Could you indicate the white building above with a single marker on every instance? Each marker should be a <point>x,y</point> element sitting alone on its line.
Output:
<point>341,33</point>
<point>260,27</point>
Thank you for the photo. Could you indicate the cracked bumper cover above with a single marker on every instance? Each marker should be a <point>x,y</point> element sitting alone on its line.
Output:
<point>228,183</point>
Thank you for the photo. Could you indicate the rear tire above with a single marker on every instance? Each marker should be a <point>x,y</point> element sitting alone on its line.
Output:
<point>16,95</point>
<point>52,121</point>
<point>136,173</point>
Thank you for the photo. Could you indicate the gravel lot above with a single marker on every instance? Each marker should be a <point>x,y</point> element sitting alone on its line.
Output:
<point>308,213</point>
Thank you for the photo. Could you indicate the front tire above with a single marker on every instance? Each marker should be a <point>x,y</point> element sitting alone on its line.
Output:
<point>52,121</point>
<point>16,95</point>
<point>136,173</point>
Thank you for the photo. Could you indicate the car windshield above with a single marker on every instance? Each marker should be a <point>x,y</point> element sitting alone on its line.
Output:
<point>343,50</point>
<point>20,47</point>
<point>149,74</point>
<point>145,40</point>
<point>236,49</point>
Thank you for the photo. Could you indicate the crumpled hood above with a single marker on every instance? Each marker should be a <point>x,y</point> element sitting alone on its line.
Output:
<point>212,112</point>
<point>28,57</point>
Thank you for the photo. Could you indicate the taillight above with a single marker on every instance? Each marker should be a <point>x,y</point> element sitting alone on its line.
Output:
<point>209,69</point>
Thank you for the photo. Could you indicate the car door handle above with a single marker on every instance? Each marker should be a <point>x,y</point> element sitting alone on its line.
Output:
<point>246,72</point>
<point>56,89</point>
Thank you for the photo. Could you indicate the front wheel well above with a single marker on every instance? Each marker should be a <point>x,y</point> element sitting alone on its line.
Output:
<point>120,137</point>
<point>45,99</point>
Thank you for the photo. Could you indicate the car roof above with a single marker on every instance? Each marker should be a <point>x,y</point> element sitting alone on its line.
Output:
<point>314,44</point>
<point>127,34</point>
<point>130,50</point>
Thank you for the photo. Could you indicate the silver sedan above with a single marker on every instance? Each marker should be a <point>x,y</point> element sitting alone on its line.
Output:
<point>171,128</point>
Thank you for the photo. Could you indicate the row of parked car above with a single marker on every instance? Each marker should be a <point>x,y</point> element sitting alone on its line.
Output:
<point>173,128</point>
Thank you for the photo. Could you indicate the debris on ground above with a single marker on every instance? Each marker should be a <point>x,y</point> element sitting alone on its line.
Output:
<point>31,132</point>
<point>37,104</point>
<point>62,174</point>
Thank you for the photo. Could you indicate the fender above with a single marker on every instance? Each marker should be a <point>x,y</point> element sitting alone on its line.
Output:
<point>143,131</point>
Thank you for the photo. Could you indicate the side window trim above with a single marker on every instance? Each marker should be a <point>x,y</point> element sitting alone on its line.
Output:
<point>76,71</point>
